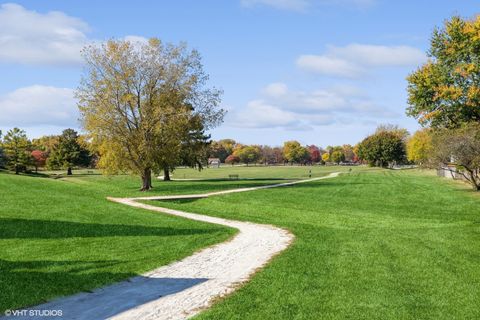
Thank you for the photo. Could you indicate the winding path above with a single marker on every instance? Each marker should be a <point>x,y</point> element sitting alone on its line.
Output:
<point>183,288</point>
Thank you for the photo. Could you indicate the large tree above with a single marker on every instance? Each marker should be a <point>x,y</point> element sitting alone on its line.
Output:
<point>383,148</point>
<point>17,150</point>
<point>337,157</point>
<point>141,102</point>
<point>445,91</point>
<point>294,152</point>
<point>419,146</point>
<point>68,152</point>
<point>248,154</point>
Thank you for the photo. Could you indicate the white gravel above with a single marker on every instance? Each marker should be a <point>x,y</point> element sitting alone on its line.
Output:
<point>184,288</point>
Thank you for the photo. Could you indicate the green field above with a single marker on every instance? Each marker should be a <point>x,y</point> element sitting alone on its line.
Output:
<point>59,237</point>
<point>370,244</point>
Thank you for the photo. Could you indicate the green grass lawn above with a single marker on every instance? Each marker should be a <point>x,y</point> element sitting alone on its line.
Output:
<point>59,237</point>
<point>369,245</point>
<point>222,173</point>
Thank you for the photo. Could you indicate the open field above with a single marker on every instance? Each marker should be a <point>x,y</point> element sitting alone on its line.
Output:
<point>251,172</point>
<point>369,245</point>
<point>59,237</point>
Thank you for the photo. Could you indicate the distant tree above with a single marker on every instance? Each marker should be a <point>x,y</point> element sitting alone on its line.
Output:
<point>419,146</point>
<point>140,102</point>
<point>248,154</point>
<point>45,143</point>
<point>17,150</point>
<point>267,155</point>
<point>348,153</point>
<point>445,91</point>
<point>195,150</point>
<point>314,152</point>
<point>460,147</point>
<point>294,152</point>
<point>401,133</point>
<point>337,157</point>
<point>39,159</point>
<point>278,155</point>
<point>67,153</point>
<point>326,157</point>
<point>383,148</point>
<point>88,155</point>
<point>221,149</point>
<point>232,159</point>
<point>355,152</point>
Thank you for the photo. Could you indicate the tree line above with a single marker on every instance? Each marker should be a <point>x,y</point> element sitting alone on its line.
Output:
<point>65,151</point>
<point>292,152</point>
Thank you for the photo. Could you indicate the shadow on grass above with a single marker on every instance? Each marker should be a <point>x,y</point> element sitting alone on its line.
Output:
<point>177,201</point>
<point>28,283</point>
<point>48,229</point>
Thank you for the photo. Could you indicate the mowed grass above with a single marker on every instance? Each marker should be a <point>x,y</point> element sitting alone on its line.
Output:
<point>259,172</point>
<point>369,245</point>
<point>60,237</point>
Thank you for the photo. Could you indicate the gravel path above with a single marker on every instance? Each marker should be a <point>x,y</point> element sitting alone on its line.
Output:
<point>183,288</point>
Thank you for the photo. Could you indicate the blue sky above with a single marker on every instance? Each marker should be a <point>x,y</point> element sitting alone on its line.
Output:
<point>319,71</point>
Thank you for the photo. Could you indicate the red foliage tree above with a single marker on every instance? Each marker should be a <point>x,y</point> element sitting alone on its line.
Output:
<point>232,159</point>
<point>315,155</point>
<point>39,159</point>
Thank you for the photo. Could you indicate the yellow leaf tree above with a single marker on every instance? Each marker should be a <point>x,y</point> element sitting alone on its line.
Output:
<point>419,146</point>
<point>143,104</point>
<point>445,91</point>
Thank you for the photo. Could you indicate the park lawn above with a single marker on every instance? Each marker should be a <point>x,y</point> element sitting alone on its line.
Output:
<point>369,245</point>
<point>259,172</point>
<point>59,237</point>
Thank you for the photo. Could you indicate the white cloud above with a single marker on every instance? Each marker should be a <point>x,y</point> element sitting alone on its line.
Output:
<point>329,65</point>
<point>355,59</point>
<point>379,56</point>
<point>259,114</point>
<point>276,89</point>
<point>38,106</point>
<point>29,37</point>
<point>281,107</point>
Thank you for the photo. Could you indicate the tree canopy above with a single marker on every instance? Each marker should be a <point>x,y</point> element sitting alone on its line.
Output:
<point>419,146</point>
<point>445,91</point>
<point>248,154</point>
<point>294,152</point>
<point>68,152</point>
<point>17,150</point>
<point>143,104</point>
<point>383,148</point>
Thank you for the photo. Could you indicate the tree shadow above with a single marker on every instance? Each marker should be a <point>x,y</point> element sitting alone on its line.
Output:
<point>29,283</point>
<point>50,229</point>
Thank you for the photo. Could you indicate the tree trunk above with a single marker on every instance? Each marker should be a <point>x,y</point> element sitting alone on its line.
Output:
<point>69,171</point>
<point>16,169</point>
<point>166,174</point>
<point>146,180</point>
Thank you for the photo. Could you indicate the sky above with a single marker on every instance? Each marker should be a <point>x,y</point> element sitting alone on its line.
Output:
<point>324,72</point>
